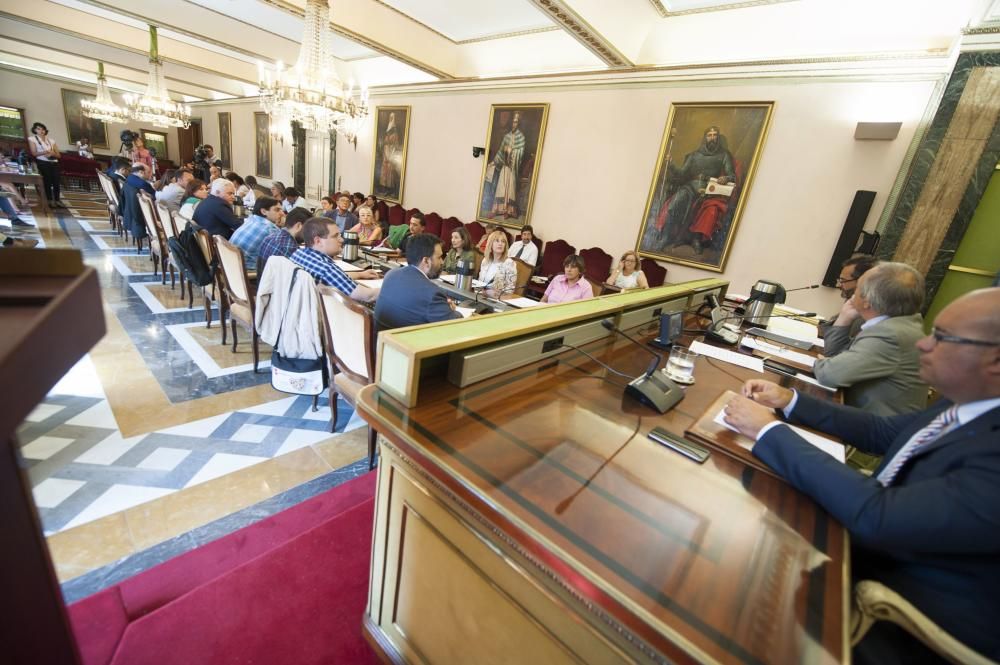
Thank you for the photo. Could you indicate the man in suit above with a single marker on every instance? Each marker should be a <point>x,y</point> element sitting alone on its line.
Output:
<point>927,523</point>
<point>215,214</point>
<point>845,323</point>
<point>137,181</point>
<point>880,368</point>
<point>408,296</point>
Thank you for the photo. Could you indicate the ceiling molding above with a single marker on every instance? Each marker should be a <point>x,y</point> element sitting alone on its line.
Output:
<point>982,30</point>
<point>660,9</point>
<point>716,8</point>
<point>364,41</point>
<point>583,32</point>
<point>505,35</point>
<point>417,21</point>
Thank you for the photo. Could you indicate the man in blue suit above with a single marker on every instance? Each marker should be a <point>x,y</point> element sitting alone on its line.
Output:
<point>137,181</point>
<point>408,297</point>
<point>215,214</point>
<point>927,522</point>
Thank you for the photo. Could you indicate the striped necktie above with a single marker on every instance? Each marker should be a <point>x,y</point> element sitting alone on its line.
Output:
<point>918,442</point>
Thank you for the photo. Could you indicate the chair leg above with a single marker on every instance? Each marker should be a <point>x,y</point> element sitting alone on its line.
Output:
<point>173,279</point>
<point>333,408</point>
<point>372,439</point>
<point>256,349</point>
<point>232,322</point>
<point>315,406</point>
<point>208,311</point>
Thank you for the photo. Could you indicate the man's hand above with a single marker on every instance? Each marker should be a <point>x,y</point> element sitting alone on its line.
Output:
<point>767,393</point>
<point>847,314</point>
<point>451,303</point>
<point>748,416</point>
<point>366,274</point>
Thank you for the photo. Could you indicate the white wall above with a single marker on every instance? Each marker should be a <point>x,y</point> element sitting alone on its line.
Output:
<point>42,102</point>
<point>601,150</point>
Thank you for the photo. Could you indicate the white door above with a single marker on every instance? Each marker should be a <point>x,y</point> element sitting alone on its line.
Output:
<point>317,164</point>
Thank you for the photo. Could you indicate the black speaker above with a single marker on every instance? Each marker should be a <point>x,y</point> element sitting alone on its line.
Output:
<point>856,218</point>
<point>671,327</point>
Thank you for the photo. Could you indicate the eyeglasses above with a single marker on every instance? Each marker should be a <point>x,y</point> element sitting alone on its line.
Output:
<point>954,339</point>
<point>841,280</point>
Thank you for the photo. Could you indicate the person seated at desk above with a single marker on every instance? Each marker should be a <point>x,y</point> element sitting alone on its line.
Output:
<point>328,208</point>
<point>264,220</point>
<point>369,233</point>
<point>195,192</point>
<point>118,172</point>
<point>215,214</point>
<point>408,297</point>
<point>322,243</point>
<point>416,225</point>
<point>525,249</point>
<point>498,271</point>
<point>927,523</point>
<point>838,330</point>
<point>285,240</point>
<point>627,275</point>
<point>345,219</point>
<point>484,241</point>
<point>570,285</point>
<point>171,195</point>
<point>132,217</point>
<point>880,370</point>
<point>461,250</point>
<point>293,200</point>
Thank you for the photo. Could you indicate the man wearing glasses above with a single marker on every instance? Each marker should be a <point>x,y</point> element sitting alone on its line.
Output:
<point>927,522</point>
<point>838,331</point>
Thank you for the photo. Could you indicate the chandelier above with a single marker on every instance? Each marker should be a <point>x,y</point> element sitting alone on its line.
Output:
<point>155,106</point>
<point>103,107</point>
<point>311,93</point>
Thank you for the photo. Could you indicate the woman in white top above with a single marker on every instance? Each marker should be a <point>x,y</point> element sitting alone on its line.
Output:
<point>627,275</point>
<point>498,271</point>
<point>46,154</point>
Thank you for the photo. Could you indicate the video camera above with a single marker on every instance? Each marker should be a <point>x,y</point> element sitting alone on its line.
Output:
<point>128,137</point>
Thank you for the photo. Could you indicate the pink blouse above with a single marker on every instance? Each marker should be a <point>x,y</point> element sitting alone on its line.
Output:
<point>560,290</point>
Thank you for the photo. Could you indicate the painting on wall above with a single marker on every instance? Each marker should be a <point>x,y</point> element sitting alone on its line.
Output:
<point>707,160</point>
<point>392,131</point>
<point>225,142</point>
<point>155,141</point>
<point>262,144</point>
<point>78,126</point>
<point>510,170</point>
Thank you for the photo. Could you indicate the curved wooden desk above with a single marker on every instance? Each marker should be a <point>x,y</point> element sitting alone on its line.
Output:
<point>528,519</point>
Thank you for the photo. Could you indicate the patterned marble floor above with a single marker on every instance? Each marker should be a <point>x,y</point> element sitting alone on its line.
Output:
<point>162,432</point>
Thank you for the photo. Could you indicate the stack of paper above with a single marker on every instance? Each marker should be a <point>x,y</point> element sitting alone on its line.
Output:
<point>345,266</point>
<point>522,302</point>
<point>828,446</point>
<point>731,357</point>
<point>777,351</point>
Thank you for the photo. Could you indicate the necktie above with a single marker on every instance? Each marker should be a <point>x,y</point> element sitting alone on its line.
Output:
<point>519,250</point>
<point>918,442</point>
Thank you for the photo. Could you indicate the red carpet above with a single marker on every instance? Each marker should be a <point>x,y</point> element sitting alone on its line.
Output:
<point>289,589</point>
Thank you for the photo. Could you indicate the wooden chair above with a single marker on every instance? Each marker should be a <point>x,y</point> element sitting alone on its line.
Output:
<point>476,231</point>
<point>433,224</point>
<point>596,287</point>
<point>382,211</point>
<point>597,264</point>
<point>524,271</point>
<point>874,601</point>
<point>396,215</point>
<point>156,240</point>
<point>242,300</point>
<point>655,274</point>
<point>214,291</point>
<point>351,352</point>
<point>550,263</point>
<point>447,226</point>
<point>114,204</point>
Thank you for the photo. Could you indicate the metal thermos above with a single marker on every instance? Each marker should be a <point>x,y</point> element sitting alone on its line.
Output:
<point>763,297</point>
<point>350,251</point>
<point>463,274</point>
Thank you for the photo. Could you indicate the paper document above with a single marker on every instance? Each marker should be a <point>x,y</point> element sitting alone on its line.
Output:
<point>466,311</point>
<point>808,379</point>
<point>371,283</point>
<point>793,328</point>
<point>450,279</point>
<point>382,250</point>
<point>776,350</point>
<point>828,446</point>
<point>522,302</point>
<point>346,267</point>
<point>731,357</point>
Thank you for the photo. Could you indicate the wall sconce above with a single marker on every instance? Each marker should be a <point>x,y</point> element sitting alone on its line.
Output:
<point>877,131</point>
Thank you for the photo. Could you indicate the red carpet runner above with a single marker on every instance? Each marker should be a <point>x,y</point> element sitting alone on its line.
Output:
<point>289,589</point>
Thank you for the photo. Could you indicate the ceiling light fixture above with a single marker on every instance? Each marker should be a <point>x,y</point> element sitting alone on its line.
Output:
<point>311,93</point>
<point>102,107</point>
<point>155,106</point>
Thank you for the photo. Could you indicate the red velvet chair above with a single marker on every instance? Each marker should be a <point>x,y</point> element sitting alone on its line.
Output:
<point>383,210</point>
<point>598,264</point>
<point>397,215</point>
<point>432,221</point>
<point>447,226</point>
<point>655,274</point>
<point>476,231</point>
<point>551,264</point>
<point>409,213</point>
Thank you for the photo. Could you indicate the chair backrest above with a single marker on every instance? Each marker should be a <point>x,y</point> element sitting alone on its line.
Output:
<point>153,227</point>
<point>555,253</point>
<point>433,222</point>
<point>524,271</point>
<point>476,231</point>
<point>166,220</point>
<point>596,287</point>
<point>234,272</point>
<point>655,274</point>
<point>352,350</point>
<point>382,211</point>
<point>447,226</point>
<point>397,215</point>
<point>109,189</point>
<point>597,264</point>
<point>479,259</point>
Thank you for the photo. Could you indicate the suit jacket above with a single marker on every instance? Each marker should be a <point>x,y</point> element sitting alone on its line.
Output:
<point>934,534</point>
<point>408,298</point>
<point>131,213</point>
<point>880,371</point>
<point>217,217</point>
<point>838,338</point>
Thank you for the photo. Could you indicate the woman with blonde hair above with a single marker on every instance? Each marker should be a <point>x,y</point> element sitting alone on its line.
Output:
<point>627,275</point>
<point>369,233</point>
<point>498,271</point>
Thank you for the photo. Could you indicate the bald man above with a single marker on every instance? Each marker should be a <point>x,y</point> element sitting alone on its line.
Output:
<point>927,523</point>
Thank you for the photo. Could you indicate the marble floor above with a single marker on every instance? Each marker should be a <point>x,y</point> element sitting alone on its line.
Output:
<point>162,438</point>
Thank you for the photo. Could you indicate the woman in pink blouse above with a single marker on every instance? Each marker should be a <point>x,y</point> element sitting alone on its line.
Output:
<point>570,285</point>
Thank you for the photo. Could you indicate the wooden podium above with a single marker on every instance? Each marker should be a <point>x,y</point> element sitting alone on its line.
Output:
<point>50,316</point>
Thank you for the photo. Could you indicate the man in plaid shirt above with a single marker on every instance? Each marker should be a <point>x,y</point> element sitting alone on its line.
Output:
<point>266,218</point>
<point>284,241</point>
<point>323,242</point>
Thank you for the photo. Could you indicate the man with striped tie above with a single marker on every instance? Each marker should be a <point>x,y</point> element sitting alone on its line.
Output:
<point>927,522</point>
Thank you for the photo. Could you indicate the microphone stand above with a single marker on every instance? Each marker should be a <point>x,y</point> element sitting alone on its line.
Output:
<point>651,388</point>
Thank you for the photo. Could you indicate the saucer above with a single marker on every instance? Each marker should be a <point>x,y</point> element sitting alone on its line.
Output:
<point>684,381</point>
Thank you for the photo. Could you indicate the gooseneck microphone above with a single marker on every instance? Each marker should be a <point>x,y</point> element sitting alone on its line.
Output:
<point>657,358</point>
<point>652,388</point>
<point>803,288</point>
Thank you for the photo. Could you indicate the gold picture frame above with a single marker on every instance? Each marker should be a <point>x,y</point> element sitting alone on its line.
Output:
<point>225,140</point>
<point>389,156</point>
<point>78,125</point>
<point>510,166</point>
<point>155,140</point>
<point>262,144</point>
<point>693,209</point>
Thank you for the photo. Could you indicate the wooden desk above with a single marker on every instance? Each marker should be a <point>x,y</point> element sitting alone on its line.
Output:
<point>28,179</point>
<point>528,519</point>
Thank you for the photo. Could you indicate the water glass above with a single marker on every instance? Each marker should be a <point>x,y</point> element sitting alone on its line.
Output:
<point>680,364</point>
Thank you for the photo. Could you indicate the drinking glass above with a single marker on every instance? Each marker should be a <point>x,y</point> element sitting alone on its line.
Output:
<point>680,364</point>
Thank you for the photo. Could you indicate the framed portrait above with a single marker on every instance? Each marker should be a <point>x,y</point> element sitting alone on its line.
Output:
<point>155,141</point>
<point>510,169</point>
<point>262,144</point>
<point>78,126</point>
<point>225,142</point>
<point>704,171</point>
<point>392,133</point>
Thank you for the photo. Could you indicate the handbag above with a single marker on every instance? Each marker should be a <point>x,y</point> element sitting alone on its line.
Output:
<point>297,376</point>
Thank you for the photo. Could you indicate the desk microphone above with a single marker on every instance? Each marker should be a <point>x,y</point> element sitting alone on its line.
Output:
<point>652,388</point>
<point>803,288</point>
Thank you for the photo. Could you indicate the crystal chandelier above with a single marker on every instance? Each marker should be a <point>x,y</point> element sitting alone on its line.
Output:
<point>103,107</point>
<point>155,106</point>
<point>311,93</point>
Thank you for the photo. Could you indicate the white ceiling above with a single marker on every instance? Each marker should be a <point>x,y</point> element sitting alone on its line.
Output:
<point>473,19</point>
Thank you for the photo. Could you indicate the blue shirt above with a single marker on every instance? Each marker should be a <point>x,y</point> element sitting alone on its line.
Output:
<point>323,269</point>
<point>278,243</point>
<point>250,235</point>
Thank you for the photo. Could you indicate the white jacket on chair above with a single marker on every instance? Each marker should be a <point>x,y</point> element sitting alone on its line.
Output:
<point>301,336</point>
